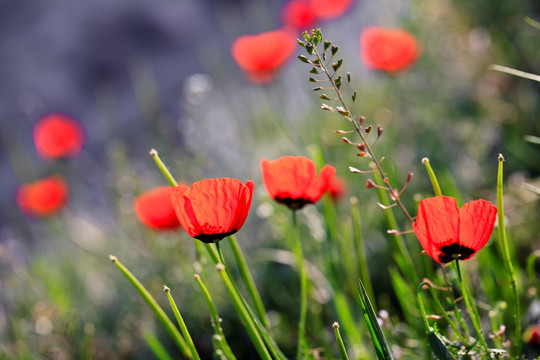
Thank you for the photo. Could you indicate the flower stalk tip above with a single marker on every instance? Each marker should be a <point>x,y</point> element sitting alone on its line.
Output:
<point>166,288</point>
<point>113,258</point>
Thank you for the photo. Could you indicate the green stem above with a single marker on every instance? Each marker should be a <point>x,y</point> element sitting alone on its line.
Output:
<point>360,250</point>
<point>472,311</point>
<point>243,313</point>
<point>302,345</point>
<point>441,310</point>
<point>182,324</point>
<point>516,344</point>
<point>263,332</point>
<point>248,281</point>
<point>432,177</point>
<point>341,345</point>
<point>157,348</point>
<point>152,303</point>
<point>216,320</point>
<point>166,173</point>
<point>421,305</point>
<point>407,265</point>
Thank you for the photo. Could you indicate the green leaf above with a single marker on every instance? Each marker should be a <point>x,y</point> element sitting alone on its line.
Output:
<point>377,336</point>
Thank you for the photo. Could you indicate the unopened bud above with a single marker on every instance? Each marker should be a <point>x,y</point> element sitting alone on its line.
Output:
<point>370,184</point>
<point>409,177</point>
<point>379,131</point>
<point>362,119</point>
<point>361,146</point>
<point>368,129</point>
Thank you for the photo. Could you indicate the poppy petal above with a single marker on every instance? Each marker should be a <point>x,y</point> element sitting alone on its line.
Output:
<point>321,184</point>
<point>154,209</point>
<point>178,202</point>
<point>477,219</point>
<point>437,224</point>
<point>43,197</point>
<point>58,135</point>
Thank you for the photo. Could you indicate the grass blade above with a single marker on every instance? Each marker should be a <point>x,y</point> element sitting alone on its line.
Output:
<point>379,341</point>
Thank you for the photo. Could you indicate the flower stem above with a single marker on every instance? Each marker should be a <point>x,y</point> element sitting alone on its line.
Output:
<point>302,345</point>
<point>216,321</point>
<point>472,311</point>
<point>263,332</point>
<point>248,280</point>
<point>166,173</point>
<point>441,309</point>
<point>240,308</point>
<point>152,303</point>
<point>341,345</point>
<point>182,324</point>
<point>432,177</point>
<point>516,344</point>
<point>360,250</point>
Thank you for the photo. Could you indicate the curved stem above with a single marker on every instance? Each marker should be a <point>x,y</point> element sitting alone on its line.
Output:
<point>516,344</point>
<point>182,324</point>
<point>248,281</point>
<point>472,312</point>
<point>216,321</point>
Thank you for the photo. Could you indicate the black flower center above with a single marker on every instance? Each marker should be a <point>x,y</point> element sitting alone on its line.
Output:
<point>210,238</point>
<point>449,253</point>
<point>293,203</point>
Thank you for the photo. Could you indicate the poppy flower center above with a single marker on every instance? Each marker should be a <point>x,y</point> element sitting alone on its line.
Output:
<point>210,238</point>
<point>293,203</point>
<point>453,251</point>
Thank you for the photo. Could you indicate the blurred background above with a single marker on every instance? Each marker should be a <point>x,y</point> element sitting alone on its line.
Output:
<point>140,75</point>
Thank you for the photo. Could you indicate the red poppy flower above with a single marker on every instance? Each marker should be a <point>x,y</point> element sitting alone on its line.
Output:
<point>154,209</point>
<point>293,181</point>
<point>389,50</point>
<point>337,188</point>
<point>329,9</point>
<point>42,197</point>
<point>298,15</point>
<point>212,209</point>
<point>58,135</point>
<point>447,233</point>
<point>261,55</point>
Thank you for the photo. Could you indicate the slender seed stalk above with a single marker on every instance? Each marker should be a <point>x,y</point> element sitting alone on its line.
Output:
<point>341,345</point>
<point>248,281</point>
<point>516,344</point>
<point>407,267</point>
<point>152,303</point>
<point>441,310</point>
<point>472,311</point>
<point>182,324</point>
<point>216,320</point>
<point>302,345</point>
<point>346,113</point>
<point>164,170</point>
<point>432,177</point>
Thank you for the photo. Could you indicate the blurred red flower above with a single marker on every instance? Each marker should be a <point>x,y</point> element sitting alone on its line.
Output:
<point>58,135</point>
<point>390,50</point>
<point>446,232</point>
<point>212,209</point>
<point>293,181</point>
<point>42,197</point>
<point>262,55</point>
<point>329,9</point>
<point>298,15</point>
<point>337,188</point>
<point>154,209</point>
